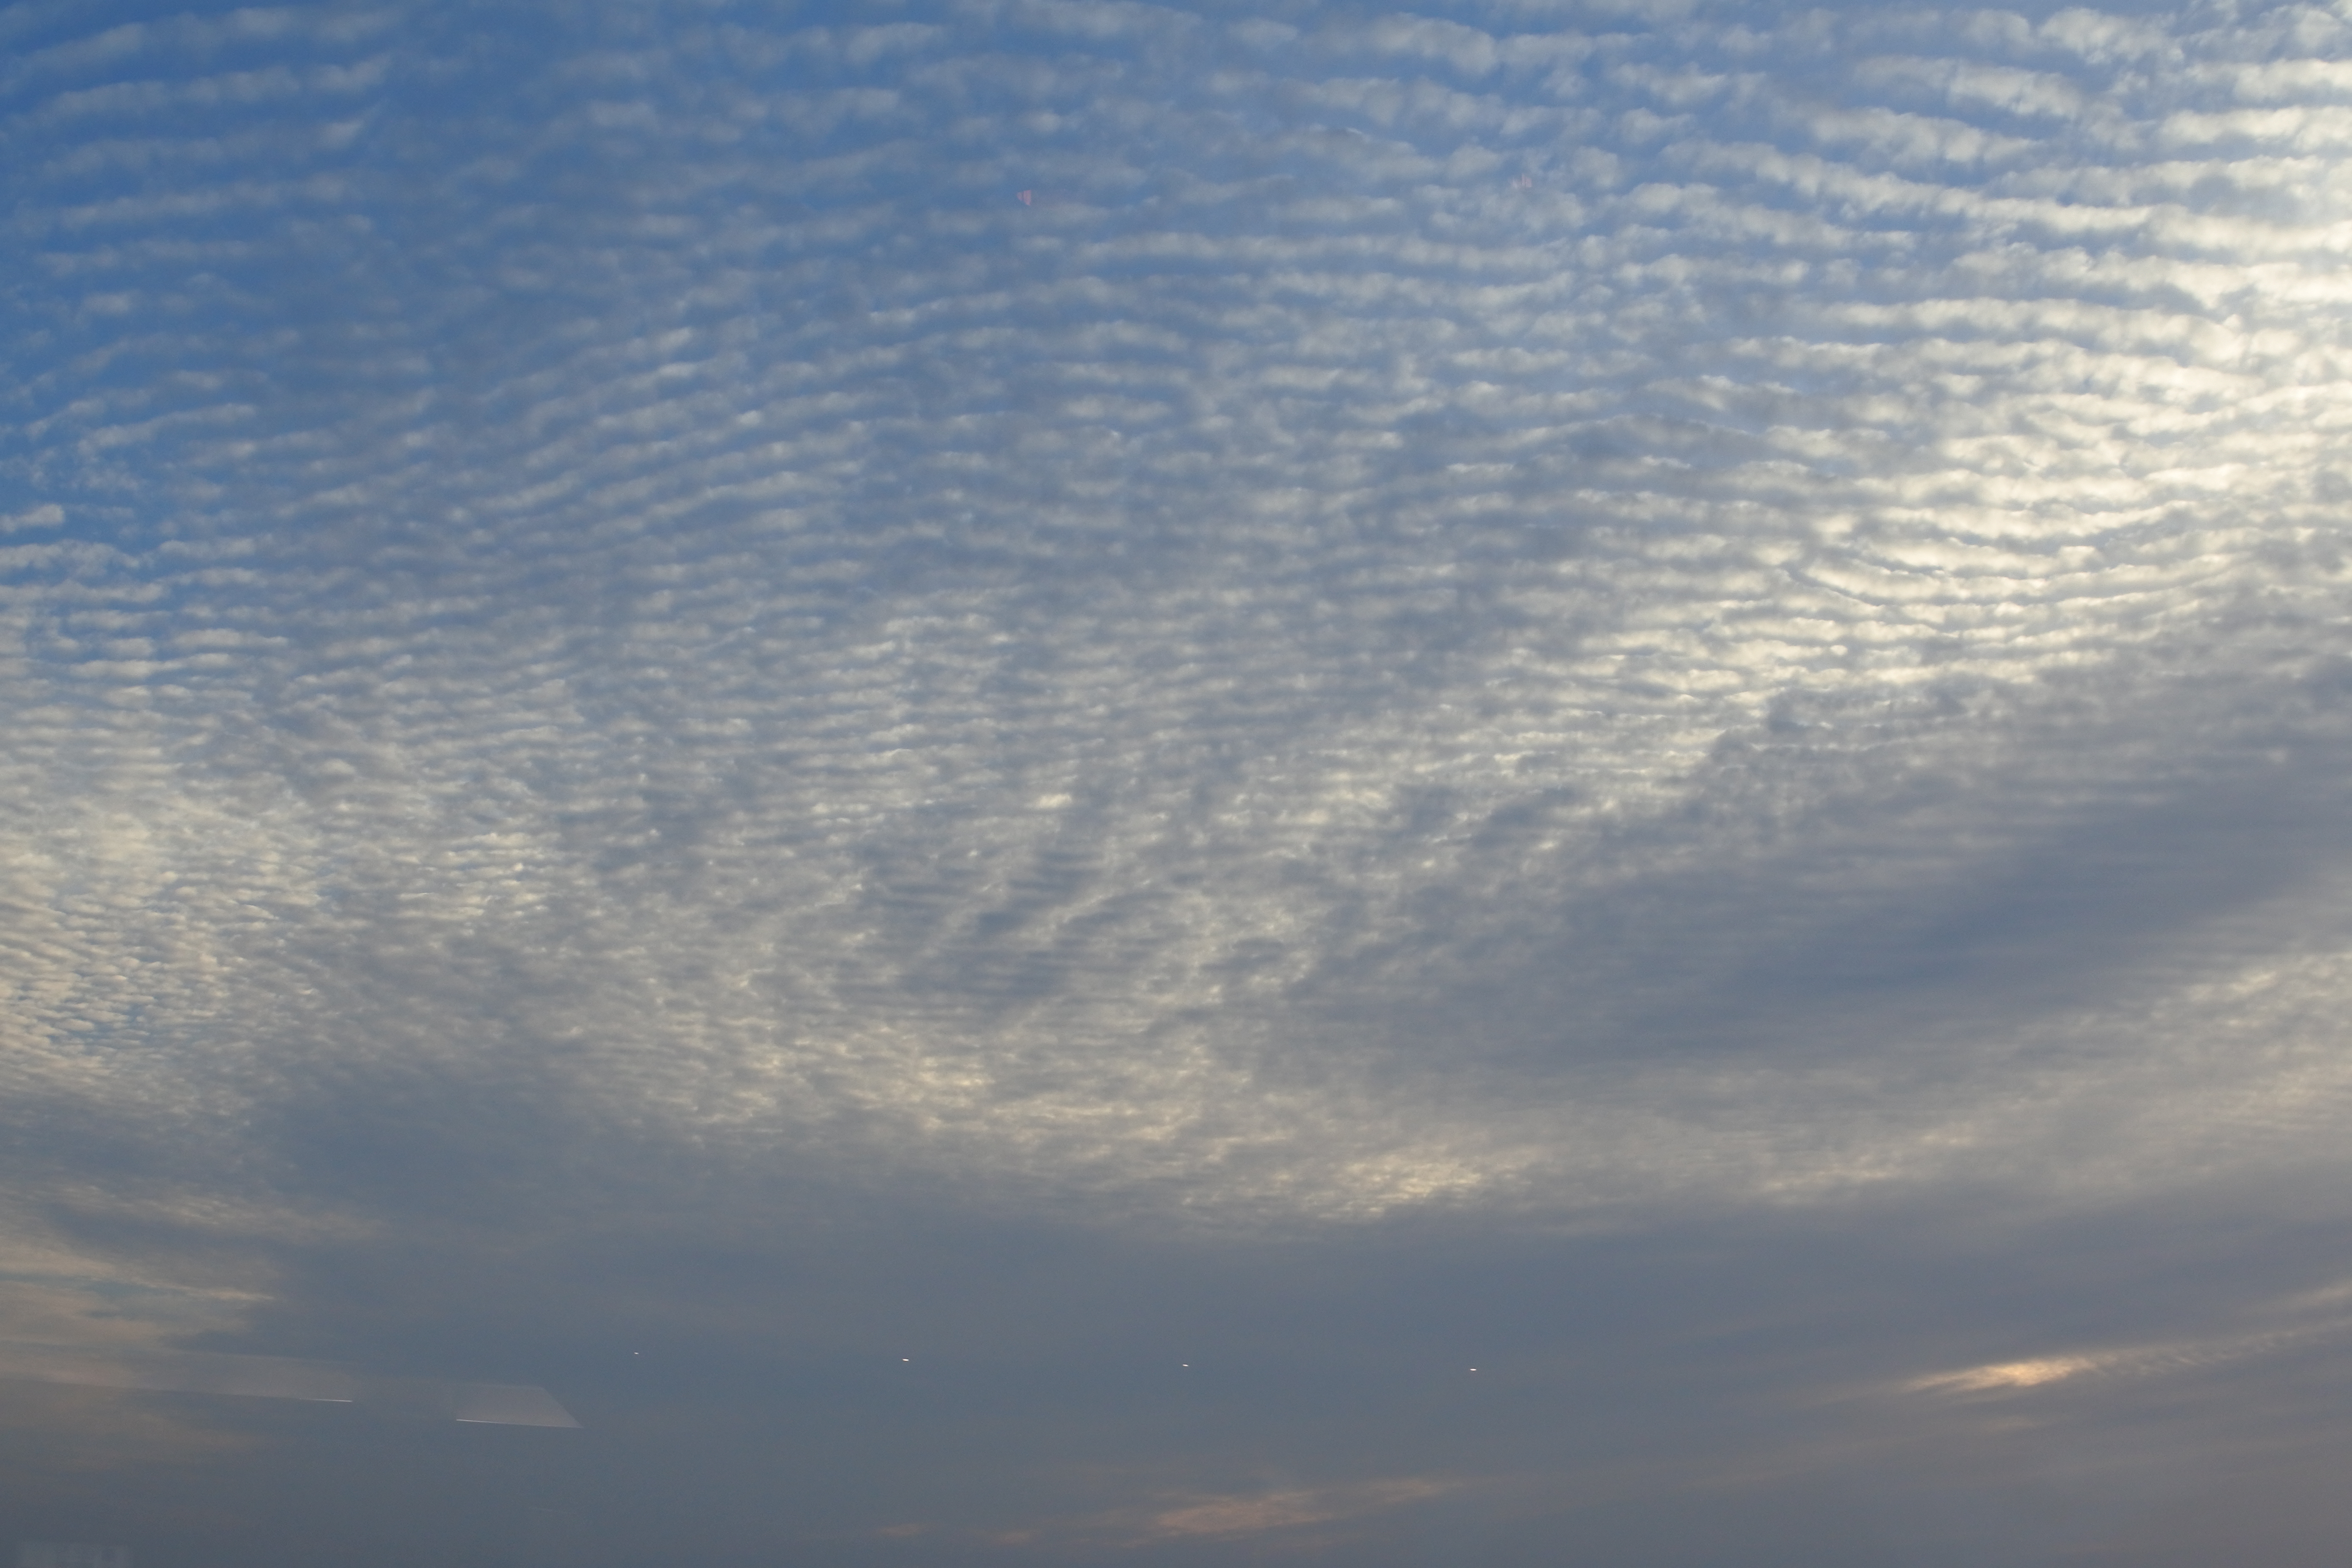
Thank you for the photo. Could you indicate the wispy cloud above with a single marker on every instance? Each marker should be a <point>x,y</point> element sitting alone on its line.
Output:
<point>1222,1516</point>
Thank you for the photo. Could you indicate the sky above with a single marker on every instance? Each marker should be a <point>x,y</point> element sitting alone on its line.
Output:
<point>1084,782</point>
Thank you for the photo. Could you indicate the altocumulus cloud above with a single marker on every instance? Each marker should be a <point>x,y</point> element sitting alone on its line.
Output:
<point>1576,612</point>
<point>1459,589</point>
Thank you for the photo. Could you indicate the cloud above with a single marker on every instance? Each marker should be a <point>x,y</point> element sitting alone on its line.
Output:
<point>49,516</point>
<point>1222,1517</point>
<point>1588,625</point>
<point>278,1377</point>
<point>2303,1322</point>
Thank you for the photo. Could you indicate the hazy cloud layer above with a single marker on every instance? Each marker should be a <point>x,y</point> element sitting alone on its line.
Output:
<point>1588,616</point>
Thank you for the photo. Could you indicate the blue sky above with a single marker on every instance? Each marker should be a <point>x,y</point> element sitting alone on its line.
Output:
<point>996,769</point>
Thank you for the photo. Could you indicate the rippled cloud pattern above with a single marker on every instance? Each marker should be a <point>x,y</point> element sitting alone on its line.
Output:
<point>1586,614</point>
